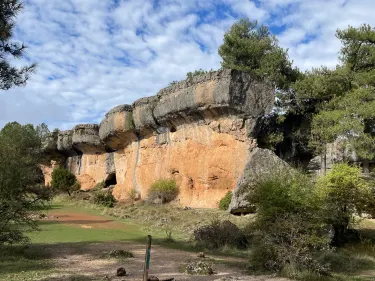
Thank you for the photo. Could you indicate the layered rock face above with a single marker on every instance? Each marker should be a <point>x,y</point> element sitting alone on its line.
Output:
<point>198,132</point>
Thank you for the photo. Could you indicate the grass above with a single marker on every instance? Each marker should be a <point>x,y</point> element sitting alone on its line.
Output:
<point>24,263</point>
<point>355,262</point>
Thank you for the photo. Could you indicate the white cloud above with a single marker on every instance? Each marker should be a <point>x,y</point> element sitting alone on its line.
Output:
<point>93,55</point>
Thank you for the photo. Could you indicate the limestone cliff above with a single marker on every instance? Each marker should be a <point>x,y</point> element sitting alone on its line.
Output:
<point>197,131</point>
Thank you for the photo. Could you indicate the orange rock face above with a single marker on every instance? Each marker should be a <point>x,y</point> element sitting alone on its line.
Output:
<point>204,163</point>
<point>199,132</point>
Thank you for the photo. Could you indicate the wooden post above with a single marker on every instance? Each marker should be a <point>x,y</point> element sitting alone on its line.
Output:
<point>147,258</point>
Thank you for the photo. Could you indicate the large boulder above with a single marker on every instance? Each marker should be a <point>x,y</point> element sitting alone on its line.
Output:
<point>117,128</point>
<point>261,162</point>
<point>65,143</point>
<point>86,138</point>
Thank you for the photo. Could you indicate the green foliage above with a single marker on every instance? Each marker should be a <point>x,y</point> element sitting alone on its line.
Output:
<point>104,198</point>
<point>165,190</point>
<point>252,48</point>
<point>346,196</point>
<point>11,76</point>
<point>132,194</point>
<point>119,254</point>
<point>63,180</point>
<point>99,186</point>
<point>191,75</point>
<point>22,190</point>
<point>225,201</point>
<point>288,229</point>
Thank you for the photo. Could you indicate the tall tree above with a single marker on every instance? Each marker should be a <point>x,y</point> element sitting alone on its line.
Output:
<point>10,75</point>
<point>349,106</point>
<point>21,181</point>
<point>252,48</point>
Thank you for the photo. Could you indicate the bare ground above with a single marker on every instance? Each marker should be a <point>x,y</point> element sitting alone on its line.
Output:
<point>88,259</point>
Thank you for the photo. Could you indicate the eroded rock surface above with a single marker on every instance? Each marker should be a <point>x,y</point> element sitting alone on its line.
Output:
<point>260,163</point>
<point>198,131</point>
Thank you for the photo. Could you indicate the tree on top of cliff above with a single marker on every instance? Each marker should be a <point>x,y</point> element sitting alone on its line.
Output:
<point>11,76</point>
<point>21,181</point>
<point>252,48</point>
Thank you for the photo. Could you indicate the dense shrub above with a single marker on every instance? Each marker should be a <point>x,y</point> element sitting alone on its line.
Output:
<point>63,180</point>
<point>346,196</point>
<point>288,228</point>
<point>104,198</point>
<point>218,234</point>
<point>225,201</point>
<point>164,190</point>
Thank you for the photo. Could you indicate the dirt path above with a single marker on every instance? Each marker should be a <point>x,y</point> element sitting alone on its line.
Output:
<point>83,259</point>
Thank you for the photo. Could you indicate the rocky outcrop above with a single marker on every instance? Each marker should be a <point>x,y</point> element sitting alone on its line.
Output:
<point>260,163</point>
<point>338,151</point>
<point>86,138</point>
<point>65,143</point>
<point>199,132</point>
<point>117,128</point>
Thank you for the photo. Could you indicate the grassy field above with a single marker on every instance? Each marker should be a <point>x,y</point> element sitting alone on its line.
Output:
<point>79,227</point>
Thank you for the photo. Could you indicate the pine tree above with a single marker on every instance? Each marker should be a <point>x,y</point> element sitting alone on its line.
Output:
<point>11,76</point>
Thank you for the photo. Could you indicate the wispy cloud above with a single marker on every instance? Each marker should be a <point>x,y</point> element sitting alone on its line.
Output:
<point>93,55</point>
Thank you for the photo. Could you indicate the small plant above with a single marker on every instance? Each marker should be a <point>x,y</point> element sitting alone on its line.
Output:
<point>168,233</point>
<point>132,194</point>
<point>198,268</point>
<point>119,254</point>
<point>191,75</point>
<point>99,186</point>
<point>104,198</point>
<point>225,201</point>
<point>63,180</point>
<point>173,83</point>
<point>164,190</point>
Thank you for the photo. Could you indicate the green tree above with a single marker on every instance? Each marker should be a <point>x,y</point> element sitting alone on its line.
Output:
<point>344,98</point>
<point>21,181</point>
<point>63,180</point>
<point>252,48</point>
<point>288,228</point>
<point>346,196</point>
<point>9,75</point>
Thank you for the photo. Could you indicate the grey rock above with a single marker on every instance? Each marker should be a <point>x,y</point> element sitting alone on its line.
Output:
<point>205,97</point>
<point>261,162</point>
<point>65,143</point>
<point>86,138</point>
<point>338,151</point>
<point>117,129</point>
<point>110,163</point>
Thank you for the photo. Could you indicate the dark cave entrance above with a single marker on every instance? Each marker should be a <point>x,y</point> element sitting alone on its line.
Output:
<point>111,180</point>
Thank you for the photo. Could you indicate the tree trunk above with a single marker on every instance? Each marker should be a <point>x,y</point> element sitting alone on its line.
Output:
<point>366,167</point>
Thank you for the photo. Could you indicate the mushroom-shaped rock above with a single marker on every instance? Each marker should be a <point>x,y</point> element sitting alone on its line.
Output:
<point>86,138</point>
<point>64,143</point>
<point>143,115</point>
<point>117,128</point>
<point>215,94</point>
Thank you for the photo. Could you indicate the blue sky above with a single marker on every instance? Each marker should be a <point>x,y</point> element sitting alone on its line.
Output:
<point>95,54</point>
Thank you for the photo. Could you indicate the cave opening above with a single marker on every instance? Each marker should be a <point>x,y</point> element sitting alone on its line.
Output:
<point>111,180</point>
<point>173,130</point>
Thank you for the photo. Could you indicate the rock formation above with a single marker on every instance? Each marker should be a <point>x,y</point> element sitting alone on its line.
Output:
<point>198,131</point>
<point>260,163</point>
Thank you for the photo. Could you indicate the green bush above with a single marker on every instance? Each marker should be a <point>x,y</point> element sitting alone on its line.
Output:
<point>104,198</point>
<point>164,190</point>
<point>225,201</point>
<point>132,194</point>
<point>99,186</point>
<point>288,228</point>
<point>64,180</point>
<point>346,196</point>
